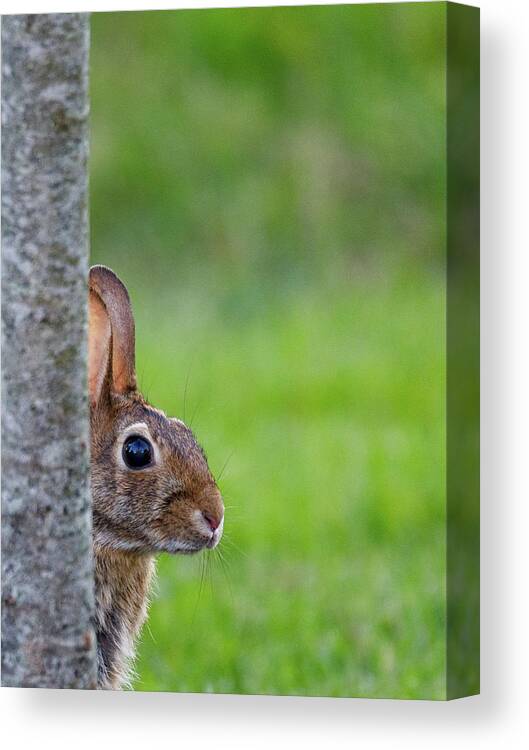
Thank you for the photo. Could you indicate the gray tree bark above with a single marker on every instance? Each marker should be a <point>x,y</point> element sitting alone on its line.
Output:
<point>47,576</point>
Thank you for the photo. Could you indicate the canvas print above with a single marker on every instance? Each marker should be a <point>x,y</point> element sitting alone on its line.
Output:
<point>240,372</point>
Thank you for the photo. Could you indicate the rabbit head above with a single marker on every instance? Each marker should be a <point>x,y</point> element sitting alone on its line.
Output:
<point>152,489</point>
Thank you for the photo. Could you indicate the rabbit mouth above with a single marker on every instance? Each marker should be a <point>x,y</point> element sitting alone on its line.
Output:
<point>117,538</point>
<point>212,542</point>
<point>193,548</point>
<point>179,547</point>
<point>200,536</point>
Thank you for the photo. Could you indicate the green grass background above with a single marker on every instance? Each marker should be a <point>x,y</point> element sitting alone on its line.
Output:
<point>270,184</point>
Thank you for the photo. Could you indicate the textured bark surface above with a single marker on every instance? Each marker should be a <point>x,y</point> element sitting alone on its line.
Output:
<point>47,575</point>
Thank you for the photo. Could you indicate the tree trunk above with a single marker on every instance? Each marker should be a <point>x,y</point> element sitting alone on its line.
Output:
<point>47,576</point>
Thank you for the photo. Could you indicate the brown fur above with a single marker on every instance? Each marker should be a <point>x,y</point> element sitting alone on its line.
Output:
<point>136,513</point>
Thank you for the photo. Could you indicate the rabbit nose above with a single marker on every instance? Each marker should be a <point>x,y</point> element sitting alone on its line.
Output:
<point>213,521</point>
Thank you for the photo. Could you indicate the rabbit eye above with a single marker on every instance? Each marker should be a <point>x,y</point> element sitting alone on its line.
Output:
<point>137,452</point>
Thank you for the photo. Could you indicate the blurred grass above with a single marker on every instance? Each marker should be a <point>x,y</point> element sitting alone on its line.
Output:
<point>270,185</point>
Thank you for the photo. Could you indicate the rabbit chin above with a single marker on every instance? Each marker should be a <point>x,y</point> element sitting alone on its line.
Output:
<point>104,539</point>
<point>190,547</point>
<point>179,547</point>
<point>203,539</point>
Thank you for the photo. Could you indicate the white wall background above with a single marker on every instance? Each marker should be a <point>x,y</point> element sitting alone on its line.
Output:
<point>497,718</point>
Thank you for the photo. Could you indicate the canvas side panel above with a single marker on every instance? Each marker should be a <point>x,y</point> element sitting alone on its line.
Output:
<point>462,351</point>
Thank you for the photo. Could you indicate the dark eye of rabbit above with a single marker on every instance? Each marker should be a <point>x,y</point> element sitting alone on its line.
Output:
<point>137,452</point>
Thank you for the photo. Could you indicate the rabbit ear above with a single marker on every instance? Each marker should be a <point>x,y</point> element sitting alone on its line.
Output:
<point>98,346</point>
<point>111,334</point>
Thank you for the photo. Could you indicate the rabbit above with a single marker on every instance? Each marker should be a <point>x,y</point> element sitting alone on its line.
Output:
<point>152,490</point>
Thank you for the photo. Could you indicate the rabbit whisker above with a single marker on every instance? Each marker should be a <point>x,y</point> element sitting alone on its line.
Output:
<point>226,462</point>
<point>225,570</point>
<point>227,540</point>
<point>194,414</point>
<point>200,587</point>
<point>185,392</point>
